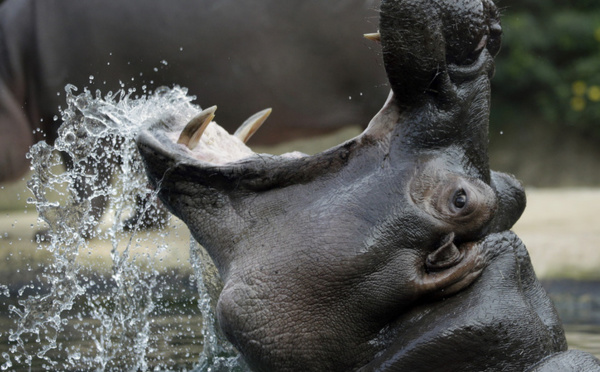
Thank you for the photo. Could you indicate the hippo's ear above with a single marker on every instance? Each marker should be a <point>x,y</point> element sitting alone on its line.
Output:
<point>451,267</point>
<point>16,137</point>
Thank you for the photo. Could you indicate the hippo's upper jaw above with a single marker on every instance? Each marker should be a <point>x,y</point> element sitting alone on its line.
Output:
<point>438,57</point>
<point>321,255</point>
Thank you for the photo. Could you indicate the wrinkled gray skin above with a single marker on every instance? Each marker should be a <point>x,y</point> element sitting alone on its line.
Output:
<point>389,252</point>
<point>304,58</point>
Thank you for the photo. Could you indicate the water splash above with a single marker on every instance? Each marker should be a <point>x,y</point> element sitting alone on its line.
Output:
<point>218,355</point>
<point>110,317</point>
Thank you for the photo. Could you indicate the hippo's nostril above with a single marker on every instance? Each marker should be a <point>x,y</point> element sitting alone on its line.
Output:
<point>495,39</point>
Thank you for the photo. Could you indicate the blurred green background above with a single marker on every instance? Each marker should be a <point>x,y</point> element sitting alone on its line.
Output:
<point>545,120</point>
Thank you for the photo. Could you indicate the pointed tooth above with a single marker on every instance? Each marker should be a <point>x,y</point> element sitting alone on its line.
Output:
<point>251,125</point>
<point>375,36</point>
<point>191,134</point>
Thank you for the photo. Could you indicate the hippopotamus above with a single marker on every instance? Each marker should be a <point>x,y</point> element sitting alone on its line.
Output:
<point>389,252</point>
<point>301,59</point>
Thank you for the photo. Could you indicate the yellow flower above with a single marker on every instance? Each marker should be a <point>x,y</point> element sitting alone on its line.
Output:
<point>594,93</point>
<point>579,87</point>
<point>577,103</point>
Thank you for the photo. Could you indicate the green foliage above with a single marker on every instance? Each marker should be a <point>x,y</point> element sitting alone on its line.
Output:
<point>550,63</point>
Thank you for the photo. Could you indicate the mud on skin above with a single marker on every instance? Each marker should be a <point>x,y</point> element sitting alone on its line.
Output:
<point>388,252</point>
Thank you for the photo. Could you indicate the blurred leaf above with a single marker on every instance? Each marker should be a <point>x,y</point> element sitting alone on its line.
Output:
<point>549,61</point>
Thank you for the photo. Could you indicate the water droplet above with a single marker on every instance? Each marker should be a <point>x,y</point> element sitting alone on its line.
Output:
<point>88,122</point>
<point>81,102</point>
<point>69,138</point>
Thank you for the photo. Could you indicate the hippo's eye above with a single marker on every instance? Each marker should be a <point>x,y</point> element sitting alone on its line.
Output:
<point>460,199</point>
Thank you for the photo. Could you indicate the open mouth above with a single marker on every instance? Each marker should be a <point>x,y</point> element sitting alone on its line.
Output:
<point>208,142</point>
<point>209,145</point>
<point>205,144</point>
<point>202,152</point>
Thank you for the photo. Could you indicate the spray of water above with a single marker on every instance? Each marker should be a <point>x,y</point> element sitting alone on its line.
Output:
<point>110,317</point>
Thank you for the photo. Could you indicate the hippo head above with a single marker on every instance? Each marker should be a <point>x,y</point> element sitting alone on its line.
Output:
<point>322,255</point>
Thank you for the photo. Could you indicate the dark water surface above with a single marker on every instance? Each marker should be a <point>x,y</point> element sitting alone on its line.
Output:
<point>578,304</point>
<point>173,339</point>
<point>175,334</point>
<point>584,337</point>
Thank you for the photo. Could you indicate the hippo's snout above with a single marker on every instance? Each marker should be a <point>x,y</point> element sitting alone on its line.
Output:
<point>429,46</point>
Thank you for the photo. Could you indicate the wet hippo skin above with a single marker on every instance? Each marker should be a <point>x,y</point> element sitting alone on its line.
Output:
<point>390,252</point>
